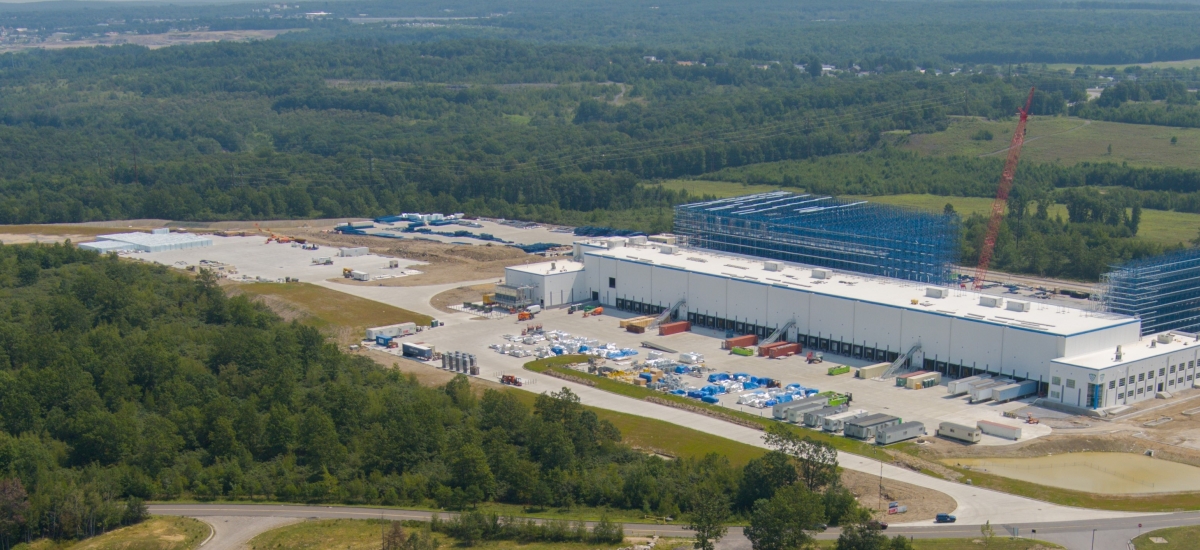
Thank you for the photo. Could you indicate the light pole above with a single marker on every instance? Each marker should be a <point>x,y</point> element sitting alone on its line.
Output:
<point>1093,539</point>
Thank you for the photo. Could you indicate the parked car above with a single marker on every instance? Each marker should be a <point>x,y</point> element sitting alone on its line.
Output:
<point>945,518</point>
<point>881,525</point>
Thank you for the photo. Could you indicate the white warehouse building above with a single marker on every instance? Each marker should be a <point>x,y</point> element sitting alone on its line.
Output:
<point>1072,352</point>
<point>158,240</point>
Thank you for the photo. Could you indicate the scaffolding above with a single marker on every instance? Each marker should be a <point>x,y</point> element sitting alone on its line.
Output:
<point>824,231</point>
<point>1164,291</point>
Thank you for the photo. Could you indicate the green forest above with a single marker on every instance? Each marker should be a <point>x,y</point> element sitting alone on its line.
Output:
<point>122,382</point>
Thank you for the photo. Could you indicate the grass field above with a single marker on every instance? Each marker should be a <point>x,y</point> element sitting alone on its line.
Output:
<point>340,315</point>
<point>719,189</point>
<point>360,534</point>
<point>1068,141</point>
<point>1168,502</point>
<point>1181,64</point>
<point>156,533</point>
<point>1178,538</point>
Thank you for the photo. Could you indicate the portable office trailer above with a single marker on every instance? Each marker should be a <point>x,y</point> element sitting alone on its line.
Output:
<point>796,414</point>
<point>1015,391</point>
<point>983,392</point>
<point>813,419</point>
<point>959,432</point>
<point>960,386</point>
<point>1000,430</point>
<point>871,371</point>
<point>922,381</point>
<point>360,276</point>
<point>351,252</point>
<point>837,422</point>
<point>867,426</point>
<point>779,410</point>
<point>899,432</point>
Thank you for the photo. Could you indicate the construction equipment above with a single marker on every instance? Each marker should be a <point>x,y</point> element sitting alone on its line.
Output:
<point>900,362</point>
<point>346,272</point>
<point>667,313</point>
<point>510,380</point>
<point>1031,420</point>
<point>779,333</point>
<point>524,316</point>
<point>814,358</point>
<point>1006,181</point>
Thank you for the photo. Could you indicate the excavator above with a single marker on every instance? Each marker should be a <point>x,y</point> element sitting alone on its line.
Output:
<point>281,239</point>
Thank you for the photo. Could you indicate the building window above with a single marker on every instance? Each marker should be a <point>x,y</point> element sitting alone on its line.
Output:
<point>1121,395</point>
<point>1141,377</point>
<point>1189,378</point>
<point>1172,369</point>
<point>1171,383</point>
<point>1070,383</point>
<point>1112,384</point>
<point>1054,394</point>
<point>1122,382</point>
<point>1191,364</point>
<point>1150,374</point>
<point>1140,390</point>
<point>1162,372</point>
<point>1056,381</point>
<point>612,282</point>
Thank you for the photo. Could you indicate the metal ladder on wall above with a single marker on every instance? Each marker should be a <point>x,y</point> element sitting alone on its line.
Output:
<point>779,332</point>
<point>900,363</point>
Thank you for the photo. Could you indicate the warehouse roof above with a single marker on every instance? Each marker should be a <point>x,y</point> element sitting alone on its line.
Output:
<point>1145,348</point>
<point>152,240</point>
<point>959,303</point>
<point>560,266</point>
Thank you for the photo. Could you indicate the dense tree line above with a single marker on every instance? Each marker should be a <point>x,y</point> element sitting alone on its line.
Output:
<point>121,381</point>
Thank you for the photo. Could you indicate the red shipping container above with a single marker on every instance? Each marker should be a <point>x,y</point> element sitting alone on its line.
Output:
<point>784,350</point>
<point>764,350</point>
<point>677,327</point>
<point>744,341</point>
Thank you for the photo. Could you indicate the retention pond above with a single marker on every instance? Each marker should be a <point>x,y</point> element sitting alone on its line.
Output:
<point>1109,473</point>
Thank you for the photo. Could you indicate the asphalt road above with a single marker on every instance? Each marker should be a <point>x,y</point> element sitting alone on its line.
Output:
<point>1109,534</point>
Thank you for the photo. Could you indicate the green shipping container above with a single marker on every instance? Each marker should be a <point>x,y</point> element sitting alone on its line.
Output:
<point>837,401</point>
<point>742,351</point>
<point>834,371</point>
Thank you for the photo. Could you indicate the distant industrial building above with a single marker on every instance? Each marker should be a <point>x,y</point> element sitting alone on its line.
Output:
<point>823,231</point>
<point>158,240</point>
<point>1073,354</point>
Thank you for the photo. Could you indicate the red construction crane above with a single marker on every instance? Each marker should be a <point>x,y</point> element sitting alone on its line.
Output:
<point>1006,180</point>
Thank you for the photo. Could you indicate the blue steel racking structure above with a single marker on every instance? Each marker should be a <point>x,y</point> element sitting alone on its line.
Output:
<point>1164,291</point>
<point>828,232</point>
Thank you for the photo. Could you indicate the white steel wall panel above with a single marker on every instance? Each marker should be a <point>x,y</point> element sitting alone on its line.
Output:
<point>1097,340</point>
<point>877,325</point>
<point>591,266</point>
<point>785,304</point>
<point>977,344</point>
<point>832,317</point>
<point>930,329</point>
<point>670,286</point>
<point>748,302</point>
<point>706,294</point>
<point>633,281</point>
<point>608,268</point>
<point>1027,353</point>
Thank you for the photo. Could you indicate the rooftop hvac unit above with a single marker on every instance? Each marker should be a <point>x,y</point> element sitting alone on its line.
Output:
<point>933,292</point>
<point>1015,305</point>
<point>616,242</point>
<point>821,273</point>
<point>668,248</point>
<point>640,239</point>
<point>991,301</point>
<point>1164,338</point>
<point>773,266</point>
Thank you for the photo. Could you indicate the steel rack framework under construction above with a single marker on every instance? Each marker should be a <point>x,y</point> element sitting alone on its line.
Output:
<point>827,232</point>
<point>1163,291</point>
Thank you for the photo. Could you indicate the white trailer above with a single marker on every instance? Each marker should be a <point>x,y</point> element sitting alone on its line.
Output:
<point>401,329</point>
<point>360,275</point>
<point>984,392</point>
<point>960,386</point>
<point>352,252</point>
<point>960,432</point>
<point>1000,430</point>
<point>837,422</point>
<point>899,432</point>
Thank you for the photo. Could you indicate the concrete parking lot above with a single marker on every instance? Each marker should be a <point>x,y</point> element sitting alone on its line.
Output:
<point>929,406</point>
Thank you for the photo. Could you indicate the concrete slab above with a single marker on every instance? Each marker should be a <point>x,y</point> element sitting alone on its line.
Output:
<point>253,257</point>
